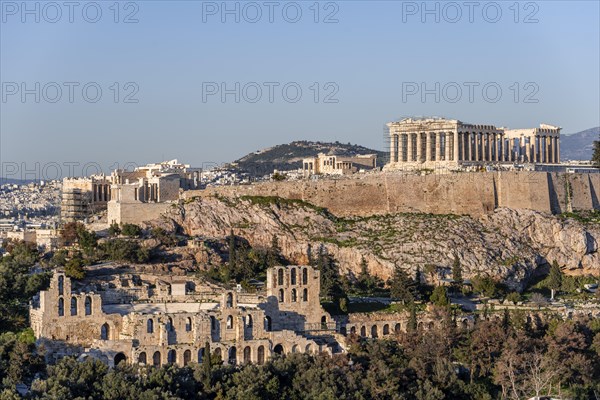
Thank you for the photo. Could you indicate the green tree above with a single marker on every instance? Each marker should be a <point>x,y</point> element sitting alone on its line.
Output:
<point>274,255</point>
<point>555,278</point>
<point>596,154</point>
<point>131,230</point>
<point>484,285</point>
<point>513,297</point>
<point>114,229</point>
<point>411,326</point>
<point>457,273</point>
<point>74,268</point>
<point>401,286</point>
<point>439,297</point>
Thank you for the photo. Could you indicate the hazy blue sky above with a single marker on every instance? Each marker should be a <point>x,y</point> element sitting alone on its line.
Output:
<point>367,61</point>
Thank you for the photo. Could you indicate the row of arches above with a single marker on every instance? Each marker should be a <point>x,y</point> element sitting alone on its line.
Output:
<point>293,295</point>
<point>185,357</point>
<point>293,276</point>
<point>169,325</point>
<point>74,309</point>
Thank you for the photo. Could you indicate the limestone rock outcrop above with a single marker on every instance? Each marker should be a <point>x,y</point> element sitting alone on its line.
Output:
<point>511,245</point>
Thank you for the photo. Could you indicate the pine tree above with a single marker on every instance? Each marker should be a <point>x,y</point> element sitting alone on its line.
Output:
<point>207,366</point>
<point>364,278</point>
<point>439,297</point>
<point>231,266</point>
<point>554,278</point>
<point>274,257</point>
<point>412,320</point>
<point>401,286</point>
<point>457,272</point>
<point>596,155</point>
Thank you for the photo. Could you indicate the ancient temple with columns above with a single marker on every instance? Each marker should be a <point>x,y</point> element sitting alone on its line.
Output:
<point>428,143</point>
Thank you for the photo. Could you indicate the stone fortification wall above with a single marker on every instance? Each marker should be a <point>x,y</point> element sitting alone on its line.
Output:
<point>459,193</point>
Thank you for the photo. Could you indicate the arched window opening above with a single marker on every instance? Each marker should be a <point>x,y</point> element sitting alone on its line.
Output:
<point>247,355</point>
<point>61,285</point>
<point>268,326</point>
<point>353,330</point>
<point>294,297</point>
<point>61,307</point>
<point>200,355</point>
<point>171,357</point>
<point>386,329</point>
<point>142,358</point>
<point>187,357</point>
<point>397,328</point>
<point>260,355</point>
<point>305,295</point>
<point>278,349</point>
<point>88,305</point>
<point>305,276</point>
<point>170,327</point>
<point>280,276</point>
<point>308,349</point>
<point>229,322</point>
<point>188,324</point>
<point>120,358</point>
<point>363,331</point>
<point>105,332</point>
<point>281,297</point>
<point>293,276</point>
<point>249,321</point>
<point>232,359</point>
<point>213,323</point>
<point>229,302</point>
<point>73,306</point>
<point>218,355</point>
<point>156,359</point>
<point>323,322</point>
<point>150,326</point>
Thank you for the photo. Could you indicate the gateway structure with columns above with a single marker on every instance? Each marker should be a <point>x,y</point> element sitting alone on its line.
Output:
<point>417,143</point>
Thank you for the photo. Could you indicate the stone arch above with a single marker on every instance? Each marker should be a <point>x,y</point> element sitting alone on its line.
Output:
<point>280,276</point>
<point>142,359</point>
<point>374,331</point>
<point>281,296</point>
<point>150,326</point>
<point>119,358</point>
<point>386,329</point>
<point>323,322</point>
<point>88,305</point>
<point>200,355</point>
<point>247,355</point>
<point>294,296</point>
<point>213,323</point>
<point>353,330</point>
<point>293,276</point>
<point>171,357</point>
<point>363,331</point>
<point>260,355</point>
<point>305,294</point>
<point>105,332</point>
<point>73,305</point>
<point>295,348</point>
<point>229,300</point>
<point>465,323</point>
<point>398,328</point>
<point>61,307</point>
<point>156,359</point>
<point>305,276</point>
<point>232,358</point>
<point>170,326</point>
<point>431,325</point>
<point>249,321</point>
<point>268,324</point>
<point>229,324</point>
<point>187,357</point>
<point>188,324</point>
<point>61,285</point>
<point>278,349</point>
<point>308,349</point>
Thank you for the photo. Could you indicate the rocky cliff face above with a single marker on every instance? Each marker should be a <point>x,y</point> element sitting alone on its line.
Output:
<point>512,245</point>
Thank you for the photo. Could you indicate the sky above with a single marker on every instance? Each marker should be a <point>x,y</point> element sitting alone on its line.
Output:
<point>90,86</point>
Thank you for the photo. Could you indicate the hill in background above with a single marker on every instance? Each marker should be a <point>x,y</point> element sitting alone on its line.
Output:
<point>580,145</point>
<point>286,157</point>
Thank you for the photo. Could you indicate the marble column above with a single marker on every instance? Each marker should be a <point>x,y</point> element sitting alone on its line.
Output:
<point>427,146</point>
<point>392,152</point>
<point>455,138</point>
<point>438,146</point>
<point>489,147</point>
<point>419,147</point>
<point>447,144</point>
<point>409,148</point>
<point>476,147</point>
